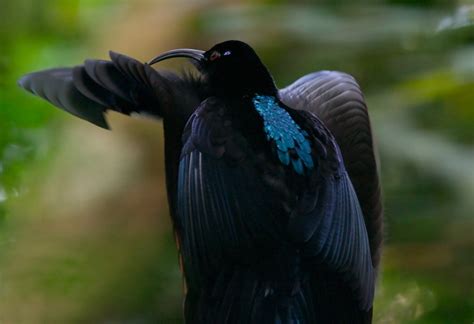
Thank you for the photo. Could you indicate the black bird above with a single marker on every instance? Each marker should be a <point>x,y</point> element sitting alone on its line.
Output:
<point>274,194</point>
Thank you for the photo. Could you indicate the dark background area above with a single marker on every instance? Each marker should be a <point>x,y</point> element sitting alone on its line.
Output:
<point>84,226</point>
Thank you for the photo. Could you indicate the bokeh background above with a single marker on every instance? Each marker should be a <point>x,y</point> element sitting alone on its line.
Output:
<point>85,235</point>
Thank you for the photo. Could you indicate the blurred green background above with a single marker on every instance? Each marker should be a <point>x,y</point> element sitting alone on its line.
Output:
<point>84,227</point>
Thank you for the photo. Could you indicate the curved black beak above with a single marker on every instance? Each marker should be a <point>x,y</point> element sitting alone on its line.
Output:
<point>194,54</point>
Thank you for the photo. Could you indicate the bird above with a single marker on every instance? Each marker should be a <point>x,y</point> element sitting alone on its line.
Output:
<point>274,194</point>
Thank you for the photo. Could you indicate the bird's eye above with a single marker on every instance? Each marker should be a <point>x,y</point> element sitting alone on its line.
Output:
<point>226,53</point>
<point>214,56</point>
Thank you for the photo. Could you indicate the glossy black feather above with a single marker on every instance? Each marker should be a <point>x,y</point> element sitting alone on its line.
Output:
<point>336,98</point>
<point>232,222</point>
<point>57,87</point>
<point>227,244</point>
<point>89,88</point>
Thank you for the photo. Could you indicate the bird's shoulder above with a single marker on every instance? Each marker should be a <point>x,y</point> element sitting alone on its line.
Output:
<point>215,129</point>
<point>325,150</point>
<point>212,131</point>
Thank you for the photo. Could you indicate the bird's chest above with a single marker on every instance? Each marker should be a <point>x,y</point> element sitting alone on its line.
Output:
<point>233,193</point>
<point>225,210</point>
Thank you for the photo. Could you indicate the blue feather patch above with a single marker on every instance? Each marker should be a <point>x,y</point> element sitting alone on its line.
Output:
<point>285,133</point>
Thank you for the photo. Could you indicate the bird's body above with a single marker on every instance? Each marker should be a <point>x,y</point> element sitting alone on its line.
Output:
<point>242,215</point>
<point>268,223</point>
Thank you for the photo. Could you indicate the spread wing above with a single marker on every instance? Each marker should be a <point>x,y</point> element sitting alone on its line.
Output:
<point>127,86</point>
<point>123,84</point>
<point>337,100</point>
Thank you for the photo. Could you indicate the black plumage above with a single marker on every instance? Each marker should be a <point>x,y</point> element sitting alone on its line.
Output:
<point>274,194</point>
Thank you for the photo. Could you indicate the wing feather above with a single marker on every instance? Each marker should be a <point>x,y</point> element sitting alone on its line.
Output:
<point>127,86</point>
<point>340,241</point>
<point>57,86</point>
<point>228,214</point>
<point>229,223</point>
<point>337,100</point>
<point>123,84</point>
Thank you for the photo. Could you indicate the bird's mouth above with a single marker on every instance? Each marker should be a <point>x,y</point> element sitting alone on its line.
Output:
<point>194,54</point>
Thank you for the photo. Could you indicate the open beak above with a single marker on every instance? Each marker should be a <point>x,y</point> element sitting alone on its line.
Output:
<point>194,54</point>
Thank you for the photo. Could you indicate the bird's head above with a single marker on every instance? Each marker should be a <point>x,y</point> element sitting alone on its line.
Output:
<point>232,68</point>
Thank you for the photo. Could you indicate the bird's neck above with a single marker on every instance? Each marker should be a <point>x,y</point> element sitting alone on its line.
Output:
<point>244,83</point>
